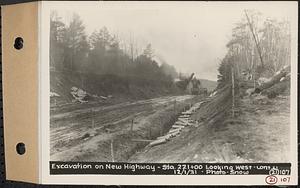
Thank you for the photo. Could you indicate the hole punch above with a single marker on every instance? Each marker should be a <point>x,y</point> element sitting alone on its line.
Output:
<point>19,43</point>
<point>20,148</point>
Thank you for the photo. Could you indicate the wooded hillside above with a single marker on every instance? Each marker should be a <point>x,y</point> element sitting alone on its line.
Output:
<point>257,50</point>
<point>101,63</point>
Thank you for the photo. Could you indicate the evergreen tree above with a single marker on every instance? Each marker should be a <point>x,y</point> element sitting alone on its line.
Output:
<point>77,45</point>
<point>57,41</point>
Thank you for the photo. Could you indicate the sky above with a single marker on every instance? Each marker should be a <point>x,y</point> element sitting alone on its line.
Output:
<point>191,36</point>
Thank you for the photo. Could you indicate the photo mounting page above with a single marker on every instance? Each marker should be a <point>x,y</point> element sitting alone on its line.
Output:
<point>169,93</point>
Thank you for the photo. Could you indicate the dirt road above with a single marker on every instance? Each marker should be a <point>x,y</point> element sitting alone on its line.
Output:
<point>78,132</point>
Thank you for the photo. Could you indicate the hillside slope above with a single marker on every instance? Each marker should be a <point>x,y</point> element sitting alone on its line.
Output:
<point>101,86</point>
<point>192,139</point>
<point>259,132</point>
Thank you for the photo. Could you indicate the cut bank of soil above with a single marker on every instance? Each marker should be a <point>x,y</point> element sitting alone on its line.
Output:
<point>260,133</point>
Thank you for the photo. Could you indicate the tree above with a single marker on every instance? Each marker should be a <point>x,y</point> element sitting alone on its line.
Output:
<point>224,69</point>
<point>169,70</point>
<point>276,44</point>
<point>98,60</point>
<point>99,42</point>
<point>148,52</point>
<point>101,39</point>
<point>258,48</point>
<point>57,41</point>
<point>105,54</point>
<point>255,38</point>
<point>77,45</point>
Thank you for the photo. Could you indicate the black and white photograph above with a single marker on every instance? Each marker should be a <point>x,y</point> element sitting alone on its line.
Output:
<point>192,83</point>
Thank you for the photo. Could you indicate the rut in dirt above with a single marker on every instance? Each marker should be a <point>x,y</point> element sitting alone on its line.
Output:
<point>72,139</point>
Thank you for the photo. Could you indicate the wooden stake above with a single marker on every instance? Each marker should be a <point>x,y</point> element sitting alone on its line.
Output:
<point>150,134</point>
<point>161,131</point>
<point>112,150</point>
<point>93,120</point>
<point>131,127</point>
<point>175,106</point>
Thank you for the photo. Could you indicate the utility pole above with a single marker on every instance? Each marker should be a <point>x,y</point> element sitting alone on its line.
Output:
<point>232,83</point>
<point>253,68</point>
